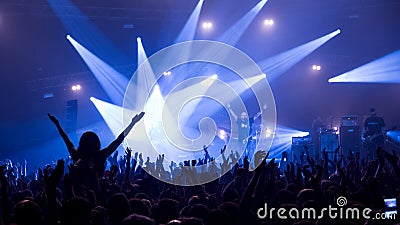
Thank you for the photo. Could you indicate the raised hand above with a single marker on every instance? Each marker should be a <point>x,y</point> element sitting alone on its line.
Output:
<point>137,117</point>
<point>246,163</point>
<point>223,149</point>
<point>52,180</point>
<point>53,118</point>
<point>128,152</point>
<point>124,133</point>
<point>40,174</point>
<point>140,160</point>
<point>259,157</point>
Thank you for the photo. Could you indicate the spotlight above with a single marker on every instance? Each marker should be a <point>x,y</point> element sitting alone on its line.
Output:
<point>167,73</point>
<point>264,75</point>
<point>338,31</point>
<point>215,76</point>
<point>68,36</point>
<point>268,22</point>
<point>76,87</point>
<point>207,25</point>
<point>268,133</point>
<point>138,39</point>
<point>316,67</point>
<point>222,134</point>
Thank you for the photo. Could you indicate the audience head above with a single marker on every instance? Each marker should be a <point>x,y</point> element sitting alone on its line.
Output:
<point>217,217</point>
<point>118,208</point>
<point>89,143</point>
<point>76,211</point>
<point>135,219</point>
<point>165,210</point>
<point>27,212</point>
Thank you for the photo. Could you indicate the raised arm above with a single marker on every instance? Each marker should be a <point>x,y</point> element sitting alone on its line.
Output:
<point>70,146</point>
<point>114,145</point>
<point>257,115</point>
<point>232,112</point>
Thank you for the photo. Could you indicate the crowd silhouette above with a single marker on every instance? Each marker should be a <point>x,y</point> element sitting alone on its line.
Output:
<point>81,191</point>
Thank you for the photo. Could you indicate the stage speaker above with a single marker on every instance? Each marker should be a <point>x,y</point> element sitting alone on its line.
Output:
<point>301,146</point>
<point>71,115</point>
<point>330,141</point>
<point>350,139</point>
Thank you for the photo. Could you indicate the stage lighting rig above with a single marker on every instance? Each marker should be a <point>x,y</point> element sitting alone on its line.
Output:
<point>268,22</point>
<point>76,87</point>
<point>207,25</point>
<point>316,67</point>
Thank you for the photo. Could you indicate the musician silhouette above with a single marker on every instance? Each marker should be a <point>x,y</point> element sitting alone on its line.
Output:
<point>373,132</point>
<point>245,131</point>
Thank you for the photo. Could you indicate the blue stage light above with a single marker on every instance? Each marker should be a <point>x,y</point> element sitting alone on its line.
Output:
<point>113,83</point>
<point>279,64</point>
<point>188,31</point>
<point>383,70</point>
<point>236,31</point>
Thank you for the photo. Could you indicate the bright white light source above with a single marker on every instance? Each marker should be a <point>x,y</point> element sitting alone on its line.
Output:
<point>76,87</point>
<point>268,133</point>
<point>207,25</point>
<point>167,73</point>
<point>268,22</point>
<point>338,31</point>
<point>222,134</point>
<point>214,76</point>
<point>316,67</point>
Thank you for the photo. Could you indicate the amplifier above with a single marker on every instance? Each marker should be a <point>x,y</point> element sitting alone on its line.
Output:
<point>301,140</point>
<point>299,146</point>
<point>348,121</point>
<point>329,141</point>
<point>350,139</point>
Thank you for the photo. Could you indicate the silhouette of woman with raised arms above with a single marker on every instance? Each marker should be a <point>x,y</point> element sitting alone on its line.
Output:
<point>88,153</point>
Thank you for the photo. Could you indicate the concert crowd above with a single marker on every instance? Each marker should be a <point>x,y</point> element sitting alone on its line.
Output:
<point>97,187</point>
